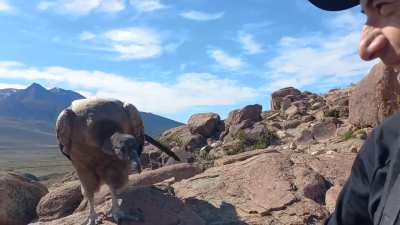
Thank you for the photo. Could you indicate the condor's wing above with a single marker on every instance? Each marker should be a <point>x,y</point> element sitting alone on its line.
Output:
<point>64,130</point>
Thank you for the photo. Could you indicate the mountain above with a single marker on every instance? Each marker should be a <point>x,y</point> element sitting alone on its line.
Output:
<point>27,116</point>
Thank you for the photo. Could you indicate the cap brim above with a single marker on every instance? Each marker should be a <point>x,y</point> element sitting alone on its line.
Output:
<point>335,5</point>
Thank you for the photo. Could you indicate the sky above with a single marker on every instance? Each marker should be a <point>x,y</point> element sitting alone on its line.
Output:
<point>177,58</point>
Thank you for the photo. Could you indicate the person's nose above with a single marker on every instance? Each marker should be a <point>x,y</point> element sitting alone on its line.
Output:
<point>371,43</point>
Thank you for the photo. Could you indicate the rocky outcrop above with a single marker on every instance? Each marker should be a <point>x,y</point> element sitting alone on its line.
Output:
<point>282,98</point>
<point>205,124</point>
<point>258,189</point>
<point>375,97</point>
<point>241,119</point>
<point>19,197</point>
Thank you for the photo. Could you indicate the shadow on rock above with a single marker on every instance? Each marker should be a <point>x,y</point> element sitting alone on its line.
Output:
<point>160,206</point>
<point>224,215</point>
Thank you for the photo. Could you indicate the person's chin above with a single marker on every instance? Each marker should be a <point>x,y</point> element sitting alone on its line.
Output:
<point>391,59</point>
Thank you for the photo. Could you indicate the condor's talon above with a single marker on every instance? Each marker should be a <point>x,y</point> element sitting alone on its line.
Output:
<point>92,220</point>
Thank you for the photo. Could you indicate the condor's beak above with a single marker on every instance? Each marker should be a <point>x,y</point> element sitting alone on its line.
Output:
<point>134,157</point>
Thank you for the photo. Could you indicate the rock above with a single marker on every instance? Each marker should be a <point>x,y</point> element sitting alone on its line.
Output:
<point>292,111</point>
<point>305,138</point>
<point>19,197</point>
<point>324,130</point>
<point>316,105</point>
<point>282,134</point>
<point>375,97</point>
<point>182,137</point>
<point>312,184</point>
<point>331,197</point>
<point>240,157</point>
<point>278,96</point>
<point>157,204</point>
<point>335,168</point>
<point>246,185</point>
<point>344,130</point>
<point>241,119</point>
<point>60,202</point>
<point>251,113</point>
<point>184,155</point>
<point>205,124</point>
<point>177,172</point>
<point>290,124</point>
<point>308,118</point>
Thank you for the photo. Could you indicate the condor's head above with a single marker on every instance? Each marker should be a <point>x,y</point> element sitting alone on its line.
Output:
<point>125,147</point>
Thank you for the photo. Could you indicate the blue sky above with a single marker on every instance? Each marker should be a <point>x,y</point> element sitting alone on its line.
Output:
<point>176,58</point>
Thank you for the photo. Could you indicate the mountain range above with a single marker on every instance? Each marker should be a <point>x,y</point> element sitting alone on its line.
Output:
<point>27,116</point>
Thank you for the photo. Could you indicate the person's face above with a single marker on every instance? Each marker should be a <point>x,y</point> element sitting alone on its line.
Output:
<point>380,37</point>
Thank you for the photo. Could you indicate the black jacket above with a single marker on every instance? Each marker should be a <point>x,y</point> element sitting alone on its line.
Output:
<point>371,195</point>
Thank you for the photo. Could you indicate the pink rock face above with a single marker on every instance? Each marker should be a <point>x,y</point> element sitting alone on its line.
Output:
<point>158,205</point>
<point>324,130</point>
<point>247,185</point>
<point>60,202</point>
<point>18,199</point>
<point>278,97</point>
<point>375,98</point>
<point>335,167</point>
<point>205,124</point>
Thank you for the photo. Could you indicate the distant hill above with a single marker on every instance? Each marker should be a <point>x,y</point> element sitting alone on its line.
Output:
<point>27,116</point>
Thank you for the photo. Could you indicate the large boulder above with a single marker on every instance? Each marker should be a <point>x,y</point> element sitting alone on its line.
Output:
<point>19,197</point>
<point>60,202</point>
<point>240,119</point>
<point>248,113</point>
<point>375,97</point>
<point>280,97</point>
<point>205,124</point>
<point>182,137</point>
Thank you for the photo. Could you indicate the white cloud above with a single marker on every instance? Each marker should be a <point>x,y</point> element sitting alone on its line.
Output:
<point>81,8</point>
<point>135,42</point>
<point>87,36</point>
<point>189,90</point>
<point>249,44</point>
<point>112,5</point>
<point>5,6</point>
<point>319,60</point>
<point>11,85</point>
<point>147,5</point>
<point>201,16</point>
<point>225,60</point>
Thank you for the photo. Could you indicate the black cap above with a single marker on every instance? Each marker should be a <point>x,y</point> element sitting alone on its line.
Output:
<point>335,5</point>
